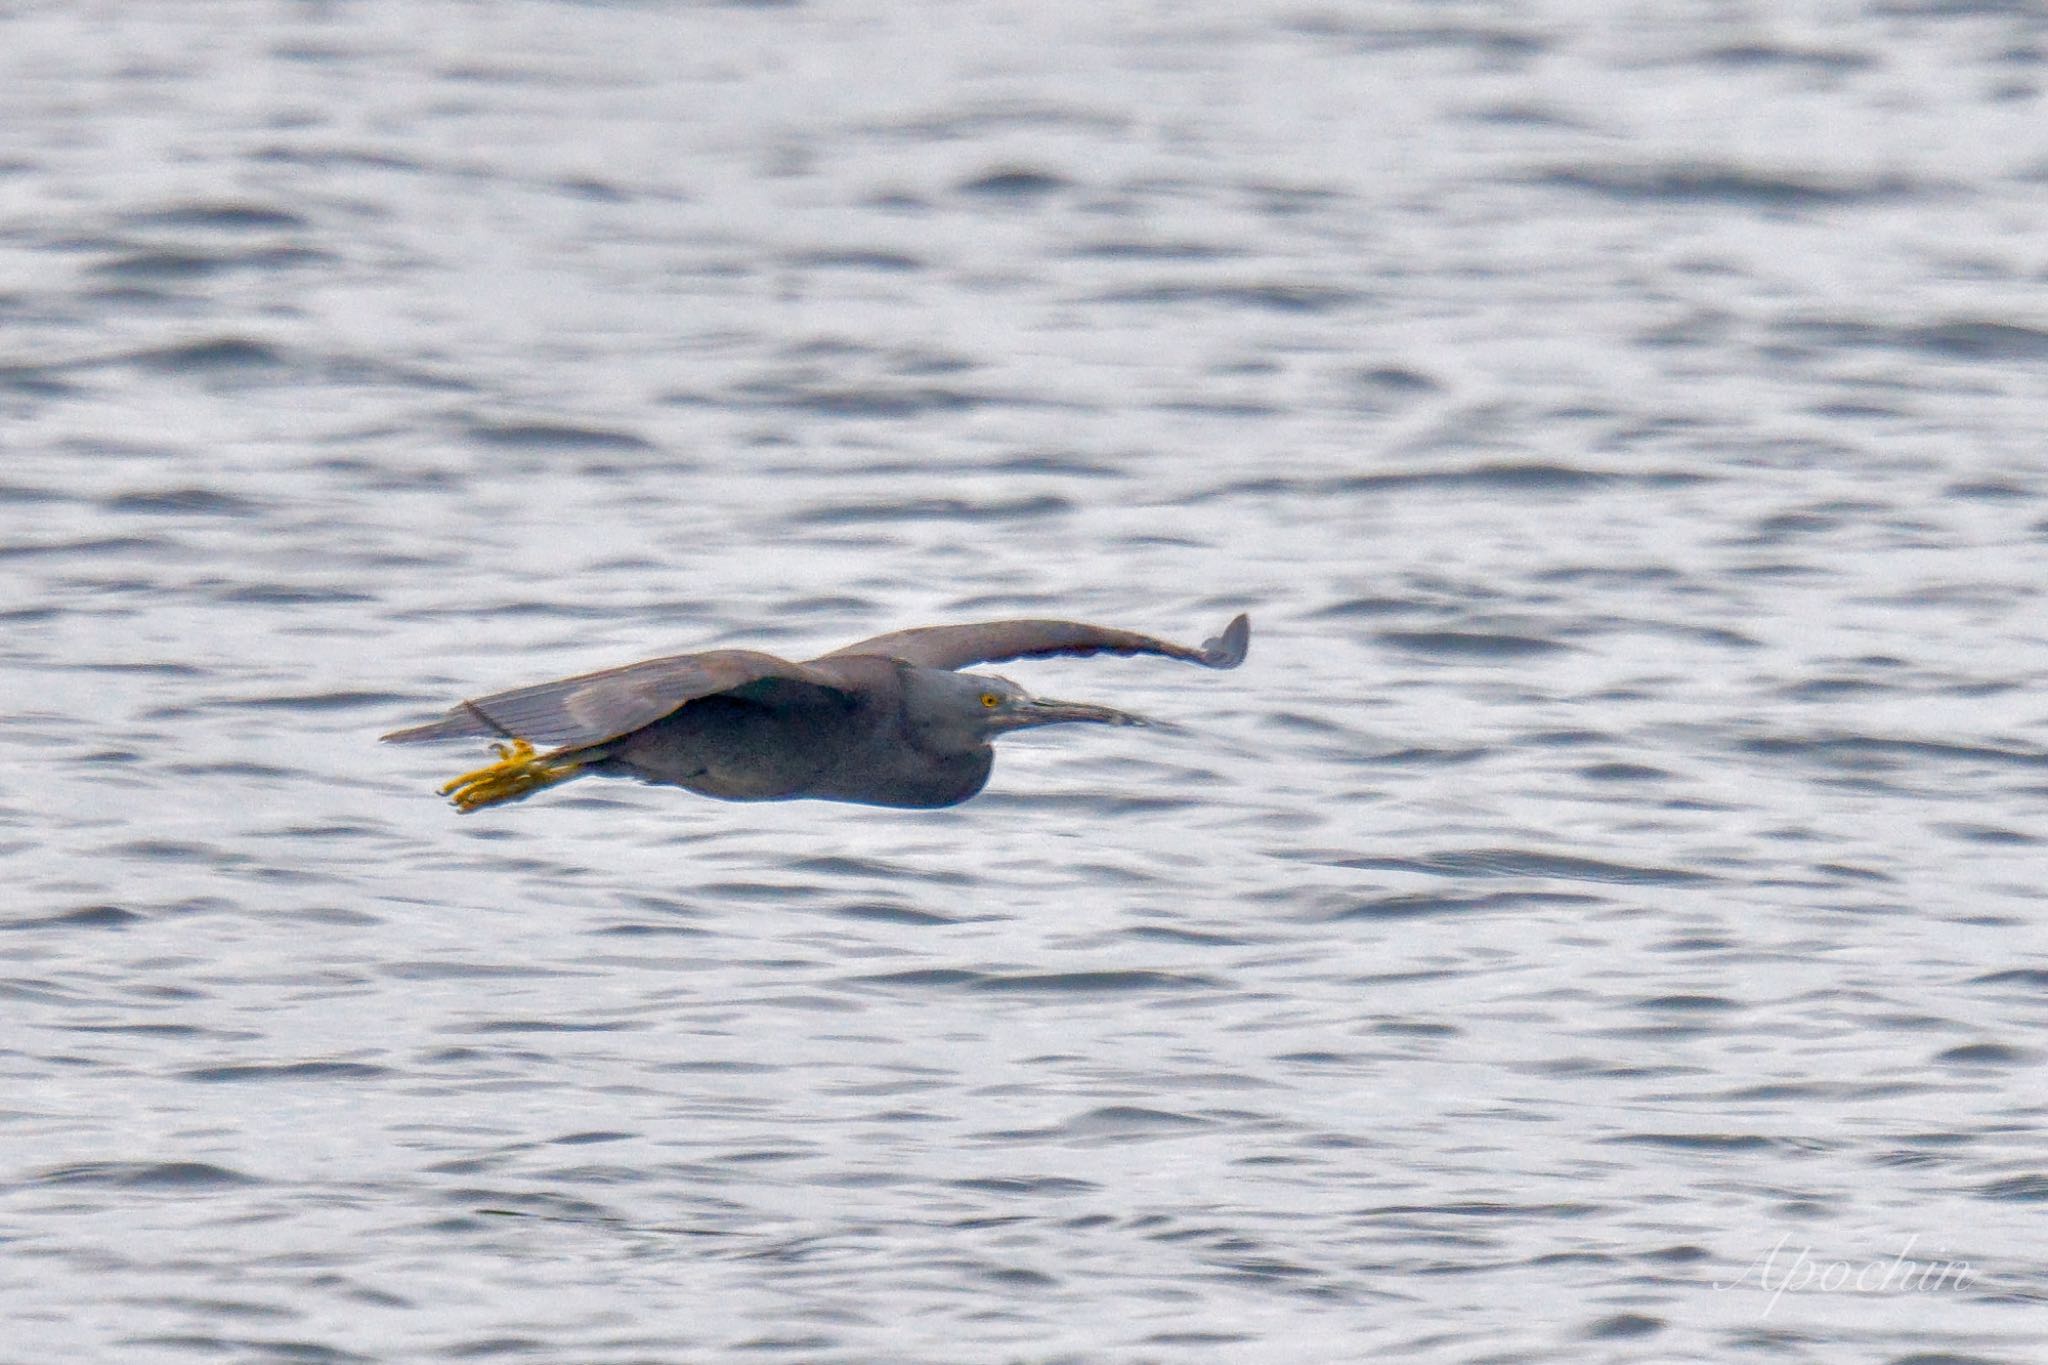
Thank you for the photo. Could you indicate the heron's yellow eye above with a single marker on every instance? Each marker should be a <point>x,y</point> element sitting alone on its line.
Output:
<point>991,700</point>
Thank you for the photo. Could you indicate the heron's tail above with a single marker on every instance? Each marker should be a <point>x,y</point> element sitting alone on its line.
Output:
<point>518,774</point>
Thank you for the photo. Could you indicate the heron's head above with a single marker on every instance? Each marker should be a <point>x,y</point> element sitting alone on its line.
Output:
<point>1005,706</point>
<point>976,707</point>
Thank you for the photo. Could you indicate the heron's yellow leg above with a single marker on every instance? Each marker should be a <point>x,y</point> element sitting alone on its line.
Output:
<point>519,772</point>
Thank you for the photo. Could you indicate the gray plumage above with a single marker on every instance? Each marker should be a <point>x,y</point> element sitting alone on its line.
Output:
<point>886,722</point>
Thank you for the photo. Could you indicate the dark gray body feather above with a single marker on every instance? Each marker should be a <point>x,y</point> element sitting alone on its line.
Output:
<point>778,739</point>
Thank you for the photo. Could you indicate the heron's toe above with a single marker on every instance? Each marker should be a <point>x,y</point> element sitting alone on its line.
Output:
<point>518,772</point>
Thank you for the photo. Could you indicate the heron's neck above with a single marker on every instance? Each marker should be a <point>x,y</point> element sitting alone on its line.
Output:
<point>938,711</point>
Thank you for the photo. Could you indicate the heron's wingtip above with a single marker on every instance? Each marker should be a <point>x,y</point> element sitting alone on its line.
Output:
<point>466,721</point>
<point>1228,649</point>
<point>455,726</point>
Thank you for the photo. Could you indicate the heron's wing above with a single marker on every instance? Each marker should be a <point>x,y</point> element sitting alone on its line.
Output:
<point>994,641</point>
<point>594,707</point>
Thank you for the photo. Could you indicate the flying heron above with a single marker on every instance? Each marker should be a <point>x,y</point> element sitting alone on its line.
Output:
<point>885,722</point>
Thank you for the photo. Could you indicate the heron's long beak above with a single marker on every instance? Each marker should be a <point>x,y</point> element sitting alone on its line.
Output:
<point>1044,711</point>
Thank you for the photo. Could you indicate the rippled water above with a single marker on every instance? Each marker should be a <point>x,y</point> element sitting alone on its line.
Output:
<point>1600,922</point>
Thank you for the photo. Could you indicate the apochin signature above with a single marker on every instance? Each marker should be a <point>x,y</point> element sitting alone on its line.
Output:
<point>1799,1273</point>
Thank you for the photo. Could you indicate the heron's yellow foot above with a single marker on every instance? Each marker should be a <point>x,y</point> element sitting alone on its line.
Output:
<point>519,772</point>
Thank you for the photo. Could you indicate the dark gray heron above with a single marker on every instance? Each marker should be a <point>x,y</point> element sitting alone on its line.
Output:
<point>886,722</point>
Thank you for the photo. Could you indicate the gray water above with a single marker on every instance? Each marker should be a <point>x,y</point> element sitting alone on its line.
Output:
<point>1601,922</point>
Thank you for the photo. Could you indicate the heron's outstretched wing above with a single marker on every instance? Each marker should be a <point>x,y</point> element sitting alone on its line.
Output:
<point>994,641</point>
<point>594,707</point>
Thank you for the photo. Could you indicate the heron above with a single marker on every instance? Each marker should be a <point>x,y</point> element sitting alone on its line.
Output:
<point>889,721</point>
